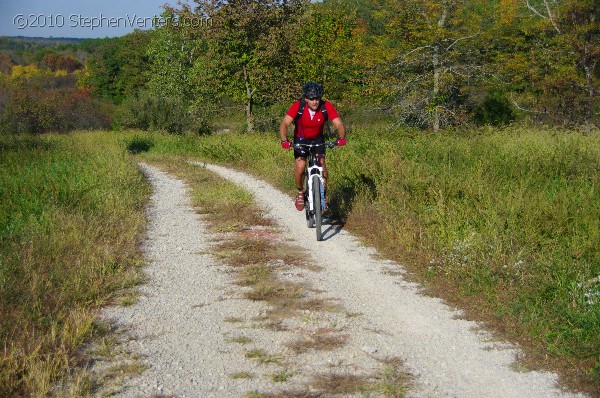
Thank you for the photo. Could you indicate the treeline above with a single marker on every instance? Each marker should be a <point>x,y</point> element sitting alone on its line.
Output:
<point>428,64</point>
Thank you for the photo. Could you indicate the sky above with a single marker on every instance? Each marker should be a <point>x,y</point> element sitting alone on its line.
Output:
<point>77,19</point>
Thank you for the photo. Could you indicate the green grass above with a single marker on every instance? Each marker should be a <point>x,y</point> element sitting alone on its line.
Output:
<point>503,223</point>
<point>71,211</point>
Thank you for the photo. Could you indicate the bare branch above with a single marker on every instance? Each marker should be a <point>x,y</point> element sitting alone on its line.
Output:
<point>410,52</point>
<point>461,39</point>
<point>523,109</point>
<point>534,10</point>
<point>415,50</point>
<point>549,17</point>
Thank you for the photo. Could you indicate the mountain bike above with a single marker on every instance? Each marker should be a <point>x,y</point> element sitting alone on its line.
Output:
<point>314,189</point>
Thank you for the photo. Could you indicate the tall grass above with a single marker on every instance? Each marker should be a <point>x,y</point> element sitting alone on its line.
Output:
<point>503,222</point>
<point>71,210</point>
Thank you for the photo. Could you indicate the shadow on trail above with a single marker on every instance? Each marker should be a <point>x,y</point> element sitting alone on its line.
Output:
<point>331,228</point>
<point>342,198</point>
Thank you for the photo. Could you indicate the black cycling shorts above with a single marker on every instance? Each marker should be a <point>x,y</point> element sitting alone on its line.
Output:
<point>299,153</point>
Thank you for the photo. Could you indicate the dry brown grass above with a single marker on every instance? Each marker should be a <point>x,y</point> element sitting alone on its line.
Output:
<point>322,339</point>
<point>340,383</point>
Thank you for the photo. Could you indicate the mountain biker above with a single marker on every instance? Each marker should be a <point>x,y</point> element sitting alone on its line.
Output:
<point>308,129</point>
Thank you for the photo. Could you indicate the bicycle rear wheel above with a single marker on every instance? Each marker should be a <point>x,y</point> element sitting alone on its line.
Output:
<point>316,192</point>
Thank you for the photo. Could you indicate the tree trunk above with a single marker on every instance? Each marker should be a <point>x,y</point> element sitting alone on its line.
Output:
<point>436,72</point>
<point>249,103</point>
<point>436,89</point>
<point>589,66</point>
<point>249,116</point>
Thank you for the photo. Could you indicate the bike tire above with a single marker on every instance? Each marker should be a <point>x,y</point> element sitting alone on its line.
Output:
<point>317,203</point>
<point>310,218</point>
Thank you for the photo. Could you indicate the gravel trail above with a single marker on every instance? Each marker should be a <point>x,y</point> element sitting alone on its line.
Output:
<point>450,357</point>
<point>179,329</point>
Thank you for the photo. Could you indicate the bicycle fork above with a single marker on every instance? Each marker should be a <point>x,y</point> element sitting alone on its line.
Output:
<point>312,173</point>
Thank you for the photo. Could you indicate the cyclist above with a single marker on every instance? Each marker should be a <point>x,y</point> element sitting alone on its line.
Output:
<point>309,115</point>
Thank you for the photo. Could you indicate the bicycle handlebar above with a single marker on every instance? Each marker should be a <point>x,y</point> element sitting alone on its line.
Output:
<point>331,144</point>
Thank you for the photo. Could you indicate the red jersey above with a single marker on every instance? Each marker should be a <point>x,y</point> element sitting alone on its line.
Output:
<point>308,126</point>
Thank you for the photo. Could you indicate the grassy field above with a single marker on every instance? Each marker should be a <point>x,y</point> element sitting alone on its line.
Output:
<point>502,223</point>
<point>71,212</point>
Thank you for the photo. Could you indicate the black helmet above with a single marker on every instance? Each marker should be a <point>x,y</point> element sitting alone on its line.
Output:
<point>312,90</point>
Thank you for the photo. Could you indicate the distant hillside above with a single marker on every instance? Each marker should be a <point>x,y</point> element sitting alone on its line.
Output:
<point>25,50</point>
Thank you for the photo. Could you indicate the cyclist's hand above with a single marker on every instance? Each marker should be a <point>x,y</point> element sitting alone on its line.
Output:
<point>286,144</point>
<point>341,142</point>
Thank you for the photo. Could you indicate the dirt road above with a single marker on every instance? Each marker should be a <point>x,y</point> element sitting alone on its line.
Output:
<point>183,330</point>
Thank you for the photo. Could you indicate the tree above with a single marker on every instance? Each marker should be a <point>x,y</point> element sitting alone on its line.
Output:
<point>119,67</point>
<point>247,43</point>
<point>63,62</point>
<point>552,71</point>
<point>324,47</point>
<point>438,46</point>
<point>5,64</point>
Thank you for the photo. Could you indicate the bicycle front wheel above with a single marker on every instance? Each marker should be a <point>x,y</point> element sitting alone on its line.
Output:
<point>310,217</point>
<point>316,192</point>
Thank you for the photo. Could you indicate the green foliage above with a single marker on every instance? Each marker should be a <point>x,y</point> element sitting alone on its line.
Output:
<point>119,67</point>
<point>25,51</point>
<point>247,44</point>
<point>495,110</point>
<point>430,64</point>
<point>161,113</point>
<point>324,34</point>
<point>554,73</point>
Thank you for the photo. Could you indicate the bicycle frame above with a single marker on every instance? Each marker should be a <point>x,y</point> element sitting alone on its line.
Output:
<point>313,170</point>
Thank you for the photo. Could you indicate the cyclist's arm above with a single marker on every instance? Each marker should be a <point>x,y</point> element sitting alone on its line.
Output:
<point>283,128</point>
<point>339,125</point>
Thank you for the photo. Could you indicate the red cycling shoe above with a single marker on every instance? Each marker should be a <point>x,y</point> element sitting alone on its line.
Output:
<point>300,201</point>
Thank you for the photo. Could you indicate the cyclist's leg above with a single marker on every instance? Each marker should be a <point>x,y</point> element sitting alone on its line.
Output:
<point>299,179</point>
<point>299,172</point>
<point>321,160</point>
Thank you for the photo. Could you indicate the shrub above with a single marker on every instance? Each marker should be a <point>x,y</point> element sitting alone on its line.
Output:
<point>34,110</point>
<point>495,110</point>
<point>148,112</point>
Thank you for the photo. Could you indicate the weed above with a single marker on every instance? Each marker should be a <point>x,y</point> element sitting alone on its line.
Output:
<point>255,394</point>
<point>337,383</point>
<point>105,347</point>
<point>240,340</point>
<point>233,319</point>
<point>391,381</point>
<point>320,340</point>
<point>125,370</point>
<point>241,375</point>
<point>129,298</point>
<point>281,376</point>
<point>263,358</point>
